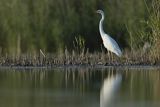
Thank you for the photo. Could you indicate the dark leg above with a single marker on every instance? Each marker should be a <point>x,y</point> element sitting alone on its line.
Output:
<point>109,60</point>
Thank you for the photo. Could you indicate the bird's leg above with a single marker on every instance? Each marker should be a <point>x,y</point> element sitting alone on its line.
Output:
<point>109,57</point>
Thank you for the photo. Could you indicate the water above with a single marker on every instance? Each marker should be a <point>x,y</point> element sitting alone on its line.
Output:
<point>80,87</point>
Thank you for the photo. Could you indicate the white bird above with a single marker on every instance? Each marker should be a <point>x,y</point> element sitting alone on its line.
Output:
<point>109,43</point>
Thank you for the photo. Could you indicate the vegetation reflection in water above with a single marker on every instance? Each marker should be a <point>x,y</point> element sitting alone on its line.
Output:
<point>80,87</point>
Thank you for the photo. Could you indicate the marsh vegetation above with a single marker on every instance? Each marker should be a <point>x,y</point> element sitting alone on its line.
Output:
<point>67,32</point>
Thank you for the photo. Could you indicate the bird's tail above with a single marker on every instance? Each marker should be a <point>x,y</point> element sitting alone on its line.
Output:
<point>118,53</point>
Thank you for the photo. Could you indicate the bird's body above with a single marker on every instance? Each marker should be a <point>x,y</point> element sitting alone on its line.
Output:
<point>109,43</point>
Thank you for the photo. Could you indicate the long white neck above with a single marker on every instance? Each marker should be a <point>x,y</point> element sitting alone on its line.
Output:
<point>101,25</point>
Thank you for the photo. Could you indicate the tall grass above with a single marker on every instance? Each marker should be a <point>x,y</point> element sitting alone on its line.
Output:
<point>154,24</point>
<point>51,25</point>
<point>146,39</point>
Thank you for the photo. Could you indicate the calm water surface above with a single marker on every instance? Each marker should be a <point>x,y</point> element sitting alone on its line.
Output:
<point>80,87</point>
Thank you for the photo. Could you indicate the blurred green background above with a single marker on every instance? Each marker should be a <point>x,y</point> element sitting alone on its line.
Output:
<point>52,25</point>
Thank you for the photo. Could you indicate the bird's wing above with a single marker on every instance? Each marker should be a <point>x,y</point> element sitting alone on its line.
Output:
<point>112,44</point>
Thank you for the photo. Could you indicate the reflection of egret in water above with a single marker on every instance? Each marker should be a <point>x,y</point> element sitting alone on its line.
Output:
<point>109,89</point>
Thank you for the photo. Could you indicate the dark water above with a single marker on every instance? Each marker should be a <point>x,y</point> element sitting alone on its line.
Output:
<point>80,87</point>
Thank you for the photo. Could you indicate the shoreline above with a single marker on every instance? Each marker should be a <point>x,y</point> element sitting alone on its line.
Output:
<point>89,60</point>
<point>84,66</point>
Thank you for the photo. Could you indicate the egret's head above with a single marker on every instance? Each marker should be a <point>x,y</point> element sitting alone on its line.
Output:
<point>100,12</point>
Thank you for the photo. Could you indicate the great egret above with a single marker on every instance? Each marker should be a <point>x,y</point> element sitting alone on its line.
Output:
<point>109,43</point>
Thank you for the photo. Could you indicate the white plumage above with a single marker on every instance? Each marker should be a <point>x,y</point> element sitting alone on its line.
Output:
<point>109,43</point>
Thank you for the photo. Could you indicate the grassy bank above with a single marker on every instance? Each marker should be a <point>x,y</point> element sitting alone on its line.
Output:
<point>89,59</point>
